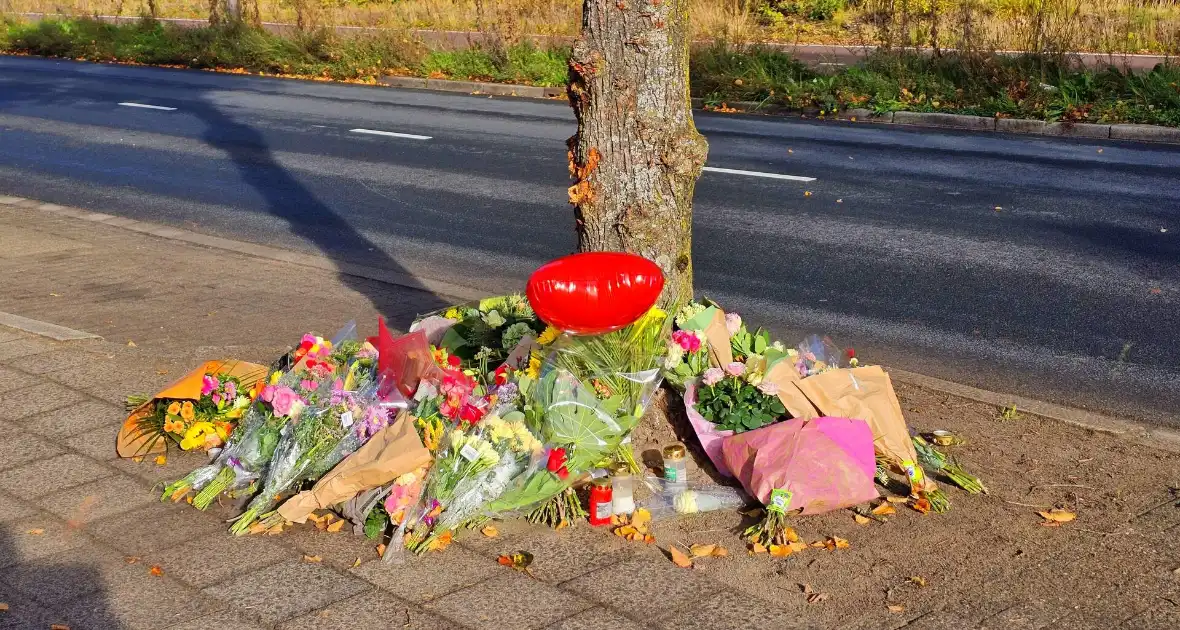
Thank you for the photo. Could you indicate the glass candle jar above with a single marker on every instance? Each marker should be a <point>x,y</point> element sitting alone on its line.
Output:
<point>675,468</point>
<point>623,490</point>
<point>601,504</point>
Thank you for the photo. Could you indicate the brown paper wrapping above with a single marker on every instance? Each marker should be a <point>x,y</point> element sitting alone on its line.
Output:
<point>786,377</point>
<point>391,453</point>
<point>865,393</point>
<point>188,387</point>
<point>720,352</point>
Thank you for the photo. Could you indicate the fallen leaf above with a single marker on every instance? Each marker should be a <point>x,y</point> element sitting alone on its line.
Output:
<point>3,607</point>
<point>519,560</point>
<point>1155,291</point>
<point>625,531</point>
<point>356,563</point>
<point>131,559</point>
<point>790,535</point>
<point>862,520</point>
<point>720,552</point>
<point>59,626</point>
<point>806,588</point>
<point>840,542</point>
<point>815,598</point>
<point>755,548</point>
<point>780,551</point>
<point>679,558</point>
<point>137,459</point>
<point>893,499</point>
<point>922,505</point>
<point>256,528</point>
<point>54,295</point>
<point>701,551</point>
<point>797,546</point>
<point>337,526</point>
<point>649,539</point>
<point>807,193</point>
<point>885,509</point>
<point>998,208</point>
<point>1100,150</point>
<point>819,544</point>
<point>917,579</point>
<point>380,550</point>
<point>896,608</point>
<point>790,150</point>
<point>312,559</point>
<point>1058,515</point>
<point>156,570</point>
<point>131,344</point>
<point>161,372</point>
<point>753,512</point>
<point>641,519</point>
<point>839,201</point>
<point>36,532</point>
<point>161,460</point>
<point>490,531</point>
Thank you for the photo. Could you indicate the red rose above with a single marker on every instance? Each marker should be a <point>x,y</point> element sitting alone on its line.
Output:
<point>563,473</point>
<point>556,461</point>
<point>453,361</point>
<point>470,413</point>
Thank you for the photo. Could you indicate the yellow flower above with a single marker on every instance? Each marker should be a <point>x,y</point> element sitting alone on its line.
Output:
<point>549,336</point>
<point>534,369</point>
<point>452,313</point>
<point>195,436</point>
<point>274,378</point>
<point>187,411</point>
<point>174,409</point>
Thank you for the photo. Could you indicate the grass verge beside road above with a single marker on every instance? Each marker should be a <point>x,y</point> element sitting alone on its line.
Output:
<point>1044,88</point>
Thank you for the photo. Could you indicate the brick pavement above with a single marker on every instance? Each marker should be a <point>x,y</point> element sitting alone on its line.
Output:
<point>80,529</point>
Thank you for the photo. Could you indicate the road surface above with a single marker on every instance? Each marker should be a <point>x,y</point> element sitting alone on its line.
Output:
<point>1038,266</point>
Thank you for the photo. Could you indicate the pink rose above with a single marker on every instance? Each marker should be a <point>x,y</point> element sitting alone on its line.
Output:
<point>768,388</point>
<point>733,323</point>
<point>268,393</point>
<point>687,340</point>
<point>735,369</point>
<point>712,376</point>
<point>283,401</point>
<point>216,399</point>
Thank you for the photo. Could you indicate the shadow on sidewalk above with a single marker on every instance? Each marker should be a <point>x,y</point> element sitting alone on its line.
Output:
<point>53,582</point>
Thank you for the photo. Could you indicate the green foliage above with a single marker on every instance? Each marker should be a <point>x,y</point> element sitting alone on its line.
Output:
<point>819,10</point>
<point>735,405</point>
<point>376,522</point>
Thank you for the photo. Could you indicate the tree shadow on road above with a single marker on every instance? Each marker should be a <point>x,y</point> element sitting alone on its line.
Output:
<point>75,587</point>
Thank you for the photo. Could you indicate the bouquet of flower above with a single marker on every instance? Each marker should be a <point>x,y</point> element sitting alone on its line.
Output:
<point>253,444</point>
<point>198,412</point>
<point>493,327</point>
<point>465,455</point>
<point>334,425</point>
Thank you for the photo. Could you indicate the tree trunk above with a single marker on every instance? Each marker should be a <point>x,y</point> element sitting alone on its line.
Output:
<point>637,155</point>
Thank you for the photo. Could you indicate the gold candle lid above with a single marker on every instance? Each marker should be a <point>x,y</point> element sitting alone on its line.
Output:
<point>621,470</point>
<point>675,451</point>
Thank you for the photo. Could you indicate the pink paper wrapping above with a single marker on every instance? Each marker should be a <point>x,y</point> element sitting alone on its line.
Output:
<point>706,431</point>
<point>826,463</point>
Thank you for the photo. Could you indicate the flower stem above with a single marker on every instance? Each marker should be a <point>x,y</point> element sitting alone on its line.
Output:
<point>210,492</point>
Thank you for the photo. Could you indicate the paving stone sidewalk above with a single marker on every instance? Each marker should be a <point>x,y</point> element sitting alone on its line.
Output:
<point>81,530</point>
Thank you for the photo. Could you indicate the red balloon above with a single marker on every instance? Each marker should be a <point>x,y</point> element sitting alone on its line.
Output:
<point>595,292</point>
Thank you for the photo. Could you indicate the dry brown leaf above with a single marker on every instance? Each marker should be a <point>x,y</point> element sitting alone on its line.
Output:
<point>806,588</point>
<point>336,526</point>
<point>753,512</point>
<point>490,531</point>
<point>156,570</point>
<point>131,559</point>
<point>3,607</point>
<point>356,563</point>
<point>840,542</point>
<point>380,550</point>
<point>896,608</point>
<point>679,558</point>
<point>790,535</point>
<point>819,544</point>
<point>917,579</point>
<point>922,505</point>
<point>780,551</point>
<point>137,459</point>
<point>755,548</point>
<point>815,598</point>
<point>720,552</point>
<point>625,531</point>
<point>275,531</point>
<point>322,524</point>
<point>59,626</point>
<point>885,509</point>
<point>562,525</point>
<point>256,528</point>
<point>36,531</point>
<point>641,520</point>
<point>316,518</point>
<point>893,499</point>
<point>649,539</point>
<point>861,520</point>
<point>797,546</point>
<point>161,460</point>
<point>700,551</point>
<point>312,559</point>
<point>1058,515</point>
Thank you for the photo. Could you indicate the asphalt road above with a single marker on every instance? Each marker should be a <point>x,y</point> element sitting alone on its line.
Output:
<point>1044,267</point>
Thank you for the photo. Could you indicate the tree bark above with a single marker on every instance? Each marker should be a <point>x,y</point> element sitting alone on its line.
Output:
<point>637,155</point>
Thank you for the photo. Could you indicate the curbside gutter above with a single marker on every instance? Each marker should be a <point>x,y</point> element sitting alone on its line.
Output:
<point>1157,437</point>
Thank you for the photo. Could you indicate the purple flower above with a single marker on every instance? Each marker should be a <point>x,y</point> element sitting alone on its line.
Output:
<point>713,376</point>
<point>736,368</point>
<point>230,389</point>
<point>733,323</point>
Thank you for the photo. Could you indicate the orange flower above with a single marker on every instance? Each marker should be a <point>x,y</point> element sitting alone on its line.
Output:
<point>441,542</point>
<point>186,410</point>
<point>173,424</point>
<point>174,409</point>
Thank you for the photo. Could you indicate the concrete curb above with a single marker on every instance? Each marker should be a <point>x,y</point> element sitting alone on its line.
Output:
<point>44,329</point>
<point>1157,437</point>
<point>1021,126</point>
